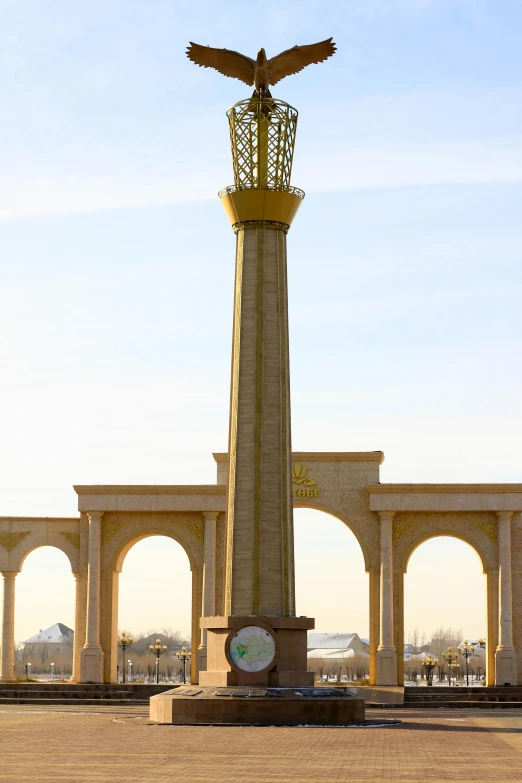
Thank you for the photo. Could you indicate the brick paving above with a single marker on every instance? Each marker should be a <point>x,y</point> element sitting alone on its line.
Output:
<point>442,745</point>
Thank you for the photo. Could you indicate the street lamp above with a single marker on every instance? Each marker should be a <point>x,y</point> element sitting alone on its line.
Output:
<point>52,671</point>
<point>27,665</point>
<point>429,664</point>
<point>184,656</point>
<point>124,641</point>
<point>451,659</point>
<point>157,650</point>
<point>130,669</point>
<point>467,652</point>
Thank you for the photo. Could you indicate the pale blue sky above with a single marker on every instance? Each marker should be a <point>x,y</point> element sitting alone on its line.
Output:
<point>117,260</point>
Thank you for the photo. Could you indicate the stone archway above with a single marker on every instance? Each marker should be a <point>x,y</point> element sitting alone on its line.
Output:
<point>373,585</point>
<point>118,564</point>
<point>332,577</point>
<point>491,631</point>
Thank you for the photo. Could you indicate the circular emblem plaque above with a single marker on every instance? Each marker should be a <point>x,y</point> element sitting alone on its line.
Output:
<point>252,648</point>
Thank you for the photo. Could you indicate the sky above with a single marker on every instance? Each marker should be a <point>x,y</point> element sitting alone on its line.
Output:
<point>116,258</point>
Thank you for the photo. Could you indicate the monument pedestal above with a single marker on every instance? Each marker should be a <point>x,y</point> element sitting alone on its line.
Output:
<point>204,706</point>
<point>257,676</point>
<point>290,654</point>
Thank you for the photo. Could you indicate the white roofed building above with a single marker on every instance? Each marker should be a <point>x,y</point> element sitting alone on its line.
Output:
<point>337,641</point>
<point>57,638</point>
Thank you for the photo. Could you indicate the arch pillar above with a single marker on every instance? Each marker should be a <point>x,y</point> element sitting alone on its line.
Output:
<point>8,621</point>
<point>505,656</point>
<point>386,670</point>
<point>374,623</point>
<point>492,603</point>
<point>76,653</point>
<point>91,664</point>
<point>208,608</point>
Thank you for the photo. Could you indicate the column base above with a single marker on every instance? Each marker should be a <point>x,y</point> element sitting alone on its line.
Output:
<point>505,667</point>
<point>202,659</point>
<point>386,669</point>
<point>91,665</point>
<point>290,665</point>
<point>8,678</point>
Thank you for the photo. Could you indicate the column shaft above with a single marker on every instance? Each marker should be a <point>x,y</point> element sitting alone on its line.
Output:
<point>91,669</point>
<point>259,562</point>
<point>209,570</point>
<point>8,621</point>
<point>92,637</point>
<point>505,637</point>
<point>386,641</point>
<point>386,669</point>
<point>505,655</point>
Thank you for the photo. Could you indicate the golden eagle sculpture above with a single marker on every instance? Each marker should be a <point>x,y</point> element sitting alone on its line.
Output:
<point>260,73</point>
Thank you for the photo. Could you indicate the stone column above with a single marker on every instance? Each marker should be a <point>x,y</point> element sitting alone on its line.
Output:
<point>505,657</point>
<point>259,549</point>
<point>74,675</point>
<point>386,652</point>
<point>209,580</point>
<point>91,669</point>
<point>8,620</point>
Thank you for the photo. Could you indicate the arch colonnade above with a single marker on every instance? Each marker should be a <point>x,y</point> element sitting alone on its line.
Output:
<point>389,520</point>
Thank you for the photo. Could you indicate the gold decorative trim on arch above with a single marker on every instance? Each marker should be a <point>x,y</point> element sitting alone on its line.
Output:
<point>110,530</point>
<point>72,538</point>
<point>10,540</point>
<point>489,530</point>
<point>197,530</point>
<point>400,529</point>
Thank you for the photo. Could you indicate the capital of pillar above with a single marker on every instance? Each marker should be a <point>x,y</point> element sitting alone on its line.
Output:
<point>95,517</point>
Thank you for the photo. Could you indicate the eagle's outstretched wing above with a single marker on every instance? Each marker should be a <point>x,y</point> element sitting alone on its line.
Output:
<point>294,60</point>
<point>226,61</point>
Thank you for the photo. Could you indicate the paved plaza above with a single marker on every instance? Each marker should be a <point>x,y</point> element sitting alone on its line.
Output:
<point>120,744</point>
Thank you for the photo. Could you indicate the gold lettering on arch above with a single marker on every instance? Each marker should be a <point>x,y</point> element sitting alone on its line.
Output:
<point>306,486</point>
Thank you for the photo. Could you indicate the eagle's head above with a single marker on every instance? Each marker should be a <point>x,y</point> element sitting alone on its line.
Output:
<point>261,56</point>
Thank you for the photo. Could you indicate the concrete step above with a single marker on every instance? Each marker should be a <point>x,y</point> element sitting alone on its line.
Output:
<point>101,686</point>
<point>76,701</point>
<point>480,705</point>
<point>43,696</point>
<point>70,693</point>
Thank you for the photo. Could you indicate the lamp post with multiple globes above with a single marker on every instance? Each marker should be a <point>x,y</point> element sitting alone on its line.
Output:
<point>124,641</point>
<point>428,665</point>
<point>451,659</point>
<point>184,656</point>
<point>467,651</point>
<point>158,649</point>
